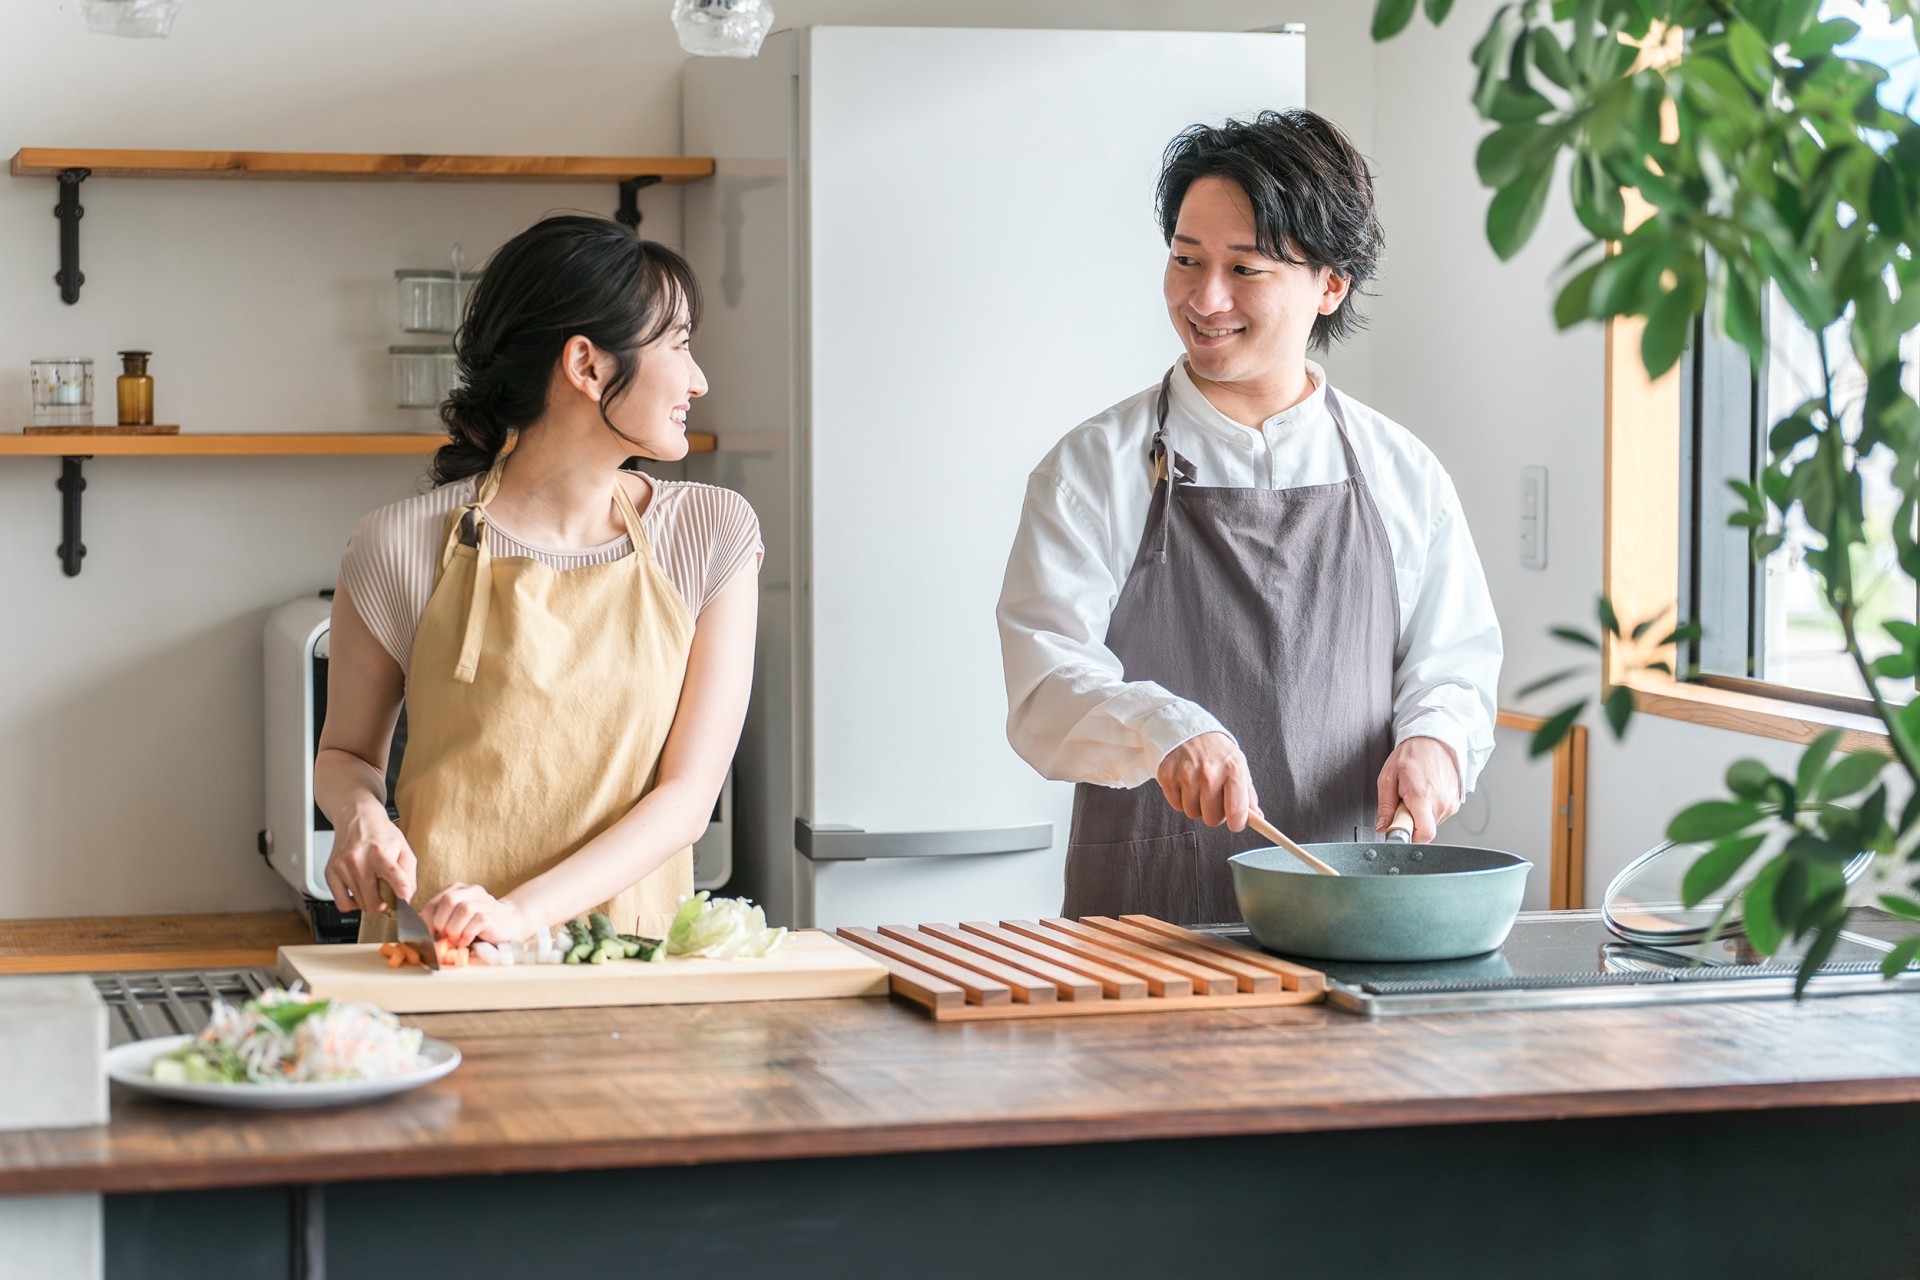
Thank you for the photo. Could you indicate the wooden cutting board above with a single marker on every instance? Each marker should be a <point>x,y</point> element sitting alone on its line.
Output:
<point>809,965</point>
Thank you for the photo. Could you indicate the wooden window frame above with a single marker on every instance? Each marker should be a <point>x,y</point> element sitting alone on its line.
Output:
<point>1640,569</point>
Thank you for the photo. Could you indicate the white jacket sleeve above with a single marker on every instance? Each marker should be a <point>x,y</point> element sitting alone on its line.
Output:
<point>1072,714</point>
<point>1447,669</point>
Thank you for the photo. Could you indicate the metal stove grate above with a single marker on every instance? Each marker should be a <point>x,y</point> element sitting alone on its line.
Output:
<point>143,1005</point>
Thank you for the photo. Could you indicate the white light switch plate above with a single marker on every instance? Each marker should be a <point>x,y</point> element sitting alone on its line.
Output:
<point>1533,517</point>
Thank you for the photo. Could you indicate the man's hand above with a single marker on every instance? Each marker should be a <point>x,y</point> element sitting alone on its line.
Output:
<point>1423,775</point>
<point>1207,779</point>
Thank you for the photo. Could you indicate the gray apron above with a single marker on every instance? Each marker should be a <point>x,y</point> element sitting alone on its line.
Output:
<point>1277,611</point>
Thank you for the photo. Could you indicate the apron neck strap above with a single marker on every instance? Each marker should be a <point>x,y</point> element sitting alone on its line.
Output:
<point>1346,441</point>
<point>471,529</point>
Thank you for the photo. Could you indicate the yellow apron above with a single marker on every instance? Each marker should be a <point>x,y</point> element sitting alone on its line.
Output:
<point>538,702</point>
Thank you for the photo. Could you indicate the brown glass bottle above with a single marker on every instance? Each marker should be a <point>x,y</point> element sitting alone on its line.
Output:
<point>135,389</point>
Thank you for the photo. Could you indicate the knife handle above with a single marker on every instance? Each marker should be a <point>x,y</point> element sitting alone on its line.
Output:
<point>386,894</point>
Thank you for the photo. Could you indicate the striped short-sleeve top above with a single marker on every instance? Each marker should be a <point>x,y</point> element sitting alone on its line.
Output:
<point>702,535</point>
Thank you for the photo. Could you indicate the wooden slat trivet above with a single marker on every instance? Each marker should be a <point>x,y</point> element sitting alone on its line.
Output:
<point>1066,982</point>
<point>1296,976</point>
<point>1059,968</point>
<point>1027,987</point>
<point>1113,983</point>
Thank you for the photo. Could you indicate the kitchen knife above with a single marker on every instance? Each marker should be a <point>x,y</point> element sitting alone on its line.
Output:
<point>409,927</point>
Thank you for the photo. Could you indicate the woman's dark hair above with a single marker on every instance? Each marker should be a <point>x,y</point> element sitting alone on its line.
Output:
<point>1311,192</point>
<point>566,276</point>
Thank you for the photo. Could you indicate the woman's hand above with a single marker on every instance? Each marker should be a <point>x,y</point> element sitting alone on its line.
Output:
<point>462,913</point>
<point>1207,779</point>
<point>366,850</point>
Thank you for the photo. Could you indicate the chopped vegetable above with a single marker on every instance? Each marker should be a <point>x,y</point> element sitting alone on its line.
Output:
<point>283,1037</point>
<point>721,928</point>
<point>652,950</point>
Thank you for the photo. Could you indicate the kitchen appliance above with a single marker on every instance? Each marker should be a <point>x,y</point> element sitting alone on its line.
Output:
<point>1570,959</point>
<point>1387,899</point>
<point>297,839</point>
<point>928,255</point>
<point>807,966</point>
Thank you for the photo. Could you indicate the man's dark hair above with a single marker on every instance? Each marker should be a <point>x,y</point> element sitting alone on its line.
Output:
<point>1311,192</point>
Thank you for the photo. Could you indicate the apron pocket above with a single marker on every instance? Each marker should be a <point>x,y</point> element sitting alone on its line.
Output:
<point>1162,877</point>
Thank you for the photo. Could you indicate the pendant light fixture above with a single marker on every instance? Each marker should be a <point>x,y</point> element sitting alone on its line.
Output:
<point>722,28</point>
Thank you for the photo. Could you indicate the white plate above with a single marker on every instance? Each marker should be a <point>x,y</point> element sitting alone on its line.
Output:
<point>131,1065</point>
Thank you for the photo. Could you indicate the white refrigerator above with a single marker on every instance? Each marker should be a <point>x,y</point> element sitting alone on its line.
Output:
<point>926,254</point>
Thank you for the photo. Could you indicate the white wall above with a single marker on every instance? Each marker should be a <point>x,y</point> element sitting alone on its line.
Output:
<point>130,776</point>
<point>1466,354</point>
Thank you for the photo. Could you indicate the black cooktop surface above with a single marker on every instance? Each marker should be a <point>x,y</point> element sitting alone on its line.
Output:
<point>1562,958</point>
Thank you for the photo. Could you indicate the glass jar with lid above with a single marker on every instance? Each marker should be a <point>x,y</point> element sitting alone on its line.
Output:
<point>62,388</point>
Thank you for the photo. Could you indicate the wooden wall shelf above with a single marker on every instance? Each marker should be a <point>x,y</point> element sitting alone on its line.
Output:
<point>253,444</point>
<point>73,166</point>
<point>73,452</point>
<point>335,166</point>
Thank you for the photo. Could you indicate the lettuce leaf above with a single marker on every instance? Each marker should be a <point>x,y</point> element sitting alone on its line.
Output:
<point>721,929</point>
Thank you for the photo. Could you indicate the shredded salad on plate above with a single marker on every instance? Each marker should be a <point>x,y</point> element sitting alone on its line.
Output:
<point>282,1037</point>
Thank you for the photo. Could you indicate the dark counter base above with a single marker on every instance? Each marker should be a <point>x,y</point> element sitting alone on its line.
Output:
<point>1819,1192</point>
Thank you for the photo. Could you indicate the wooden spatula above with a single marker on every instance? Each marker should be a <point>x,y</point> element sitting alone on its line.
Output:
<point>1273,833</point>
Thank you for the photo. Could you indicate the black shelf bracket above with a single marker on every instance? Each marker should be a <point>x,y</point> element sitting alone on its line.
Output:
<point>71,484</point>
<point>629,211</point>
<point>69,212</point>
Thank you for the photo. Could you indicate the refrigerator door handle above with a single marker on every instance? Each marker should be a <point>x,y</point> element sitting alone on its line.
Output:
<point>828,843</point>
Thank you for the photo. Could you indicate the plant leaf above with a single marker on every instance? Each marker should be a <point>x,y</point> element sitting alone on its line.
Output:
<point>1711,819</point>
<point>1749,779</point>
<point>1574,636</point>
<point>1717,865</point>
<point>1390,17</point>
<point>1516,209</point>
<point>1905,908</point>
<point>1548,735</point>
<point>1759,915</point>
<point>1608,618</point>
<point>1901,957</point>
<point>1619,705</point>
<point>1853,773</point>
<point>1547,682</point>
<point>1437,11</point>
<point>1813,762</point>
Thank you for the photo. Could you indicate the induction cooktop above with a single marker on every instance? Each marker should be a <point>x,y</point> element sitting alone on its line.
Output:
<point>1569,959</point>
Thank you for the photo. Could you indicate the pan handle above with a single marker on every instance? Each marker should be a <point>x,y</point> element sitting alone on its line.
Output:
<point>1401,828</point>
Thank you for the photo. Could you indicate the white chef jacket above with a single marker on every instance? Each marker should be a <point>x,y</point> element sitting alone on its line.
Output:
<point>1072,713</point>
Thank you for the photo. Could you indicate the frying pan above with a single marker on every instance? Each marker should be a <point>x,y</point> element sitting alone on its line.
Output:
<point>1390,901</point>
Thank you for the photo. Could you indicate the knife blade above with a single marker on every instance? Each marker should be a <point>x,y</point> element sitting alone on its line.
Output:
<point>409,927</point>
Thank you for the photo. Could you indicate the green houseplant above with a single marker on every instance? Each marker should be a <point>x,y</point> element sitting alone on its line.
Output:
<point>1764,154</point>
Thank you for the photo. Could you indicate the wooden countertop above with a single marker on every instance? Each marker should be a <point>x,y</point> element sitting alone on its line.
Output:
<point>104,944</point>
<point>600,1088</point>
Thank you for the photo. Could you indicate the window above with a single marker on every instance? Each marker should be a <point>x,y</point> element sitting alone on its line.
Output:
<point>1765,627</point>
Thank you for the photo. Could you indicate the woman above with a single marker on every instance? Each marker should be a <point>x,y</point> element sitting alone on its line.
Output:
<point>573,641</point>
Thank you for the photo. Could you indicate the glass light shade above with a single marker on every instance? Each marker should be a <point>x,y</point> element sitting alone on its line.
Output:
<point>722,28</point>
<point>131,17</point>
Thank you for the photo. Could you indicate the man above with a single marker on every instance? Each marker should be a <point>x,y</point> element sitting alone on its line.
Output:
<point>1240,591</point>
